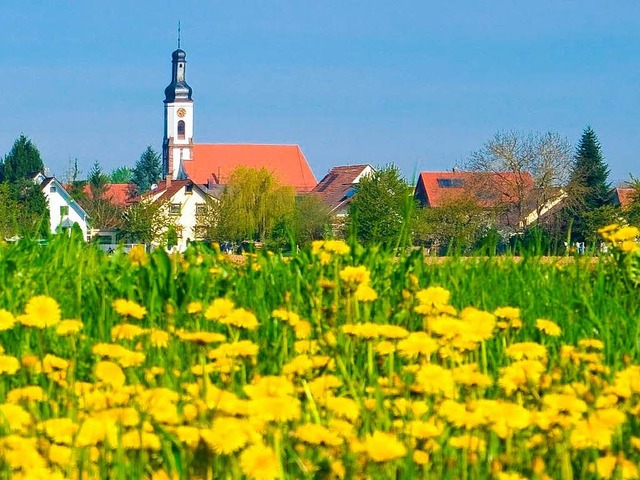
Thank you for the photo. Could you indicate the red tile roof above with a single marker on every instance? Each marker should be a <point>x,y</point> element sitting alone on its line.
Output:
<point>336,186</point>
<point>624,196</point>
<point>435,188</point>
<point>116,193</point>
<point>217,161</point>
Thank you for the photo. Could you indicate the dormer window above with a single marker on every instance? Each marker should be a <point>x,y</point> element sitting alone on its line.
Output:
<point>181,130</point>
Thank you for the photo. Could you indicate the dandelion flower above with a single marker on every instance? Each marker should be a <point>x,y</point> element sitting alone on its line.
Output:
<point>220,308</point>
<point>69,327</point>
<point>365,293</point>
<point>7,320</point>
<point>260,462</point>
<point>110,373</point>
<point>41,312</point>
<point>129,308</point>
<point>241,318</point>
<point>384,447</point>
<point>9,364</point>
<point>547,326</point>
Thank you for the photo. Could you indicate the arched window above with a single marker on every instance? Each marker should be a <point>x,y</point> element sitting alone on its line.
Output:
<point>181,130</point>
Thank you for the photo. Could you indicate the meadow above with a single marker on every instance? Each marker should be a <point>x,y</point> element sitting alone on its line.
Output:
<point>337,362</point>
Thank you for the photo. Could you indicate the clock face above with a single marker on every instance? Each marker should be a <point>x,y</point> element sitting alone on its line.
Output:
<point>181,112</point>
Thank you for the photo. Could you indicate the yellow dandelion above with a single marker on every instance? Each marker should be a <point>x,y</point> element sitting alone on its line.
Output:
<point>110,373</point>
<point>240,318</point>
<point>260,462</point>
<point>158,338</point>
<point>547,326</point>
<point>7,320</point>
<point>41,312</point>
<point>129,308</point>
<point>126,331</point>
<point>194,307</point>
<point>384,447</point>
<point>355,275</point>
<point>9,364</point>
<point>220,308</point>
<point>69,327</point>
<point>364,293</point>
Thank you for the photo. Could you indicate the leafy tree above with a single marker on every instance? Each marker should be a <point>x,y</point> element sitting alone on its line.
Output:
<point>75,186</point>
<point>589,180</point>
<point>632,212</point>
<point>311,219</point>
<point>455,226</point>
<point>147,222</point>
<point>22,160</point>
<point>382,209</point>
<point>33,217</point>
<point>102,212</point>
<point>121,175</point>
<point>252,203</point>
<point>507,160</point>
<point>8,212</point>
<point>147,171</point>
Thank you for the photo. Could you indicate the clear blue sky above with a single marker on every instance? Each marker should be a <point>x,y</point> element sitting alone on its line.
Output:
<point>418,83</point>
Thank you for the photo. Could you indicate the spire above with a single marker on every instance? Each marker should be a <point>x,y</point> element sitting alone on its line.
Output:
<point>178,89</point>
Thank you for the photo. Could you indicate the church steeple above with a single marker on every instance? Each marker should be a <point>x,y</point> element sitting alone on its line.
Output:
<point>178,118</point>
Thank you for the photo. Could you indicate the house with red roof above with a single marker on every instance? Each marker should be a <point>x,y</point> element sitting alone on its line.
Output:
<point>338,186</point>
<point>186,202</point>
<point>118,194</point>
<point>211,164</point>
<point>513,196</point>
<point>624,196</point>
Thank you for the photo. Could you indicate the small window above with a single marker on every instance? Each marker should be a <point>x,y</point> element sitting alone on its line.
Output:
<point>181,130</point>
<point>174,209</point>
<point>450,183</point>
<point>188,190</point>
<point>201,209</point>
<point>200,231</point>
<point>64,210</point>
<point>53,189</point>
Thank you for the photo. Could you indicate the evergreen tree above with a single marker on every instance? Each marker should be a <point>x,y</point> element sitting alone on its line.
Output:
<point>23,160</point>
<point>121,175</point>
<point>589,184</point>
<point>147,171</point>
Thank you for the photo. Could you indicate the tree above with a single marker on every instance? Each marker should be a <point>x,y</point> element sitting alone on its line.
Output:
<point>590,187</point>
<point>22,160</point>
<point>457,225</point>
<point>382,209</point>
<point>102,212</point>
<point>311,219</point>
<point>147,222</point>
<point>507,160</point>
<point>147,171</point>
<point>8,212</point>
<point>252,203</point>
<point>121,175</point>
<point>33,217</point>
<point>632,212</point>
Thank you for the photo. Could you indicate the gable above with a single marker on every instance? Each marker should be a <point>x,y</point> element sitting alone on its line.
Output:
<point>338,186</point>
<point>213,163</point>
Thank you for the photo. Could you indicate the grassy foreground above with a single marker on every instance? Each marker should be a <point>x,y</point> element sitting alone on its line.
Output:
<point>339,362</point>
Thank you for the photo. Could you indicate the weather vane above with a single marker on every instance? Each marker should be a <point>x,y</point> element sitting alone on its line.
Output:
<point>178,34</point>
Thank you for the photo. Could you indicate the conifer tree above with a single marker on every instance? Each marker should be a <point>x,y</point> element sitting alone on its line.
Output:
<point>590,190</point>
<point>147,171</point>
<point>591,173</point>
<point>23,160</point>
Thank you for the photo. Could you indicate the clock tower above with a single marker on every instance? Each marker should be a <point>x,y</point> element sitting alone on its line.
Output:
<point>177,146</point>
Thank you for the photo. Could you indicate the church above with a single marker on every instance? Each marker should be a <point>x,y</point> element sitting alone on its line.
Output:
<point>210,164</point>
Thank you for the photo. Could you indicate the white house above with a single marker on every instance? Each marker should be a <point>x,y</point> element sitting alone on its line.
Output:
<point>186,202</point>
<point>64,211</point>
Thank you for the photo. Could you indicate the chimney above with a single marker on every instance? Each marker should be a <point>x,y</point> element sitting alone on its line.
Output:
<point>167,180</point>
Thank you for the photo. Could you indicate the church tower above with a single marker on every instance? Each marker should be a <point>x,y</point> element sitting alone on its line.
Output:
<point>177,145</point>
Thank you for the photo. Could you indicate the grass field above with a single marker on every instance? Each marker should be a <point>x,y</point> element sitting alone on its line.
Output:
<point>340,362</point>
